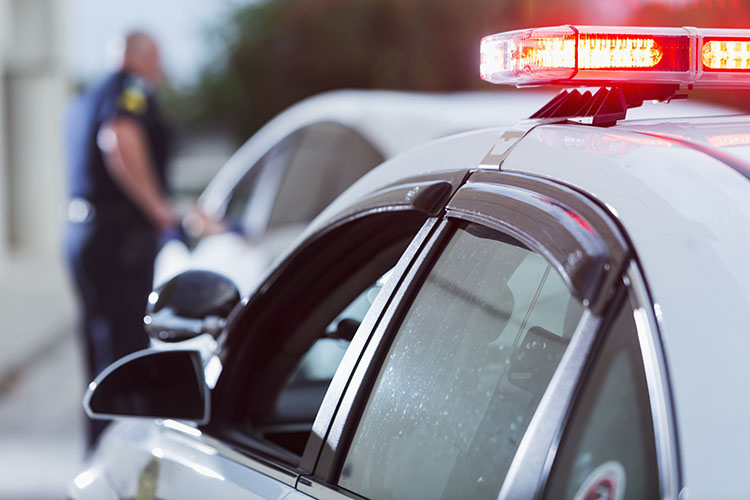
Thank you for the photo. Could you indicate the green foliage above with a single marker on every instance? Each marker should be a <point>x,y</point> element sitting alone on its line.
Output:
<point>276,52</point>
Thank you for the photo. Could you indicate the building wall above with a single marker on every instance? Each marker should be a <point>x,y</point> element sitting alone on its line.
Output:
<point>33,91</point>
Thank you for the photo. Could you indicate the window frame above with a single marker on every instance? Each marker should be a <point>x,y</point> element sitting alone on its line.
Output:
<point>633,295</point>
<point>559,396</point>
<point>424,196</point>
<point>657,381</point>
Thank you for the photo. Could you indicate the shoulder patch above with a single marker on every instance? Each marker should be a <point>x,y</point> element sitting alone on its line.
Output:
<point>133,100</point>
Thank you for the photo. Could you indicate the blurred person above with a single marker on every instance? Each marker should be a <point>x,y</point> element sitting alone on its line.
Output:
<point>117,147</point>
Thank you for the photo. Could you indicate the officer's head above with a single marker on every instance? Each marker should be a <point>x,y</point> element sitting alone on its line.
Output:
<point>138,53</point>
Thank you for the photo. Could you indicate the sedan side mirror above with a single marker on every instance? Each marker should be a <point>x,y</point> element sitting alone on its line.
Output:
<point>151,383</point>
<point>190,304</point>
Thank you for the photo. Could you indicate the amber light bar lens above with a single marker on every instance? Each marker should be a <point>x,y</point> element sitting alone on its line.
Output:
<point>617,52</point>
<point>726,55</point>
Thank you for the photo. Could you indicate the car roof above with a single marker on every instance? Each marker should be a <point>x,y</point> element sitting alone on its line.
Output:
<point>677,187</point>
<point>391,121</point>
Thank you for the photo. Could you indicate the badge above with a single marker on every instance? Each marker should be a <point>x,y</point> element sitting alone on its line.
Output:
<point>606,482</point>
<point>133,100</point>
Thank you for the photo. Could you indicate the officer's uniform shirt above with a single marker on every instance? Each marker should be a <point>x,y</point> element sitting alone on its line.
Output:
<point>122,94</point>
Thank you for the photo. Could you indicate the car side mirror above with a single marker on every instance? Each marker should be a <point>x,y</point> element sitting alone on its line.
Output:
<point>151,383</point>
<point>190,304</point>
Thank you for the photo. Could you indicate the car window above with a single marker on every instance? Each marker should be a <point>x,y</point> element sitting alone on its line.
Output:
<point>295,335</point>
<point>321,361</point>
<point>303,392</point>
<point>330,157</point>
<point>240,198</point>
<point>465,372</point>
<point>607,450</point>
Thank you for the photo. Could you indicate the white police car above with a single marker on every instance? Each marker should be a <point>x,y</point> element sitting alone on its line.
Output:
<point>292,168</point>
<point>562,311</point>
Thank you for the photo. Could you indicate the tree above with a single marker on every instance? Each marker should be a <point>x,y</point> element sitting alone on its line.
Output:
<point>276,52</point>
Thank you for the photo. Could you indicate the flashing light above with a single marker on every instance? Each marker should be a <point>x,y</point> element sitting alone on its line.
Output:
<point>602,55</point>
<point>731,55</point>
<point>597,52</point>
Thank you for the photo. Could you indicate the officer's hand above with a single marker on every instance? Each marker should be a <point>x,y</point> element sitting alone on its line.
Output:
<point>198,224</point>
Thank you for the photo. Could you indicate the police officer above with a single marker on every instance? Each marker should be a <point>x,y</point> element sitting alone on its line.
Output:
<point>117,153</point>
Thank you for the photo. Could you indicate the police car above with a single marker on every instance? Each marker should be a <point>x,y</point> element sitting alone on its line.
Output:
<point>555,309</point>
<point>285,174</point>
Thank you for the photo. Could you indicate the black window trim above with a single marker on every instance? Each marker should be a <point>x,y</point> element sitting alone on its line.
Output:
<point>343,376</point>
<point>323,484</point>
<point>571,232</point>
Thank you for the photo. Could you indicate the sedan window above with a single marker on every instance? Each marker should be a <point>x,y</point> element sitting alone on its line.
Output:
<point>608,449</point>
<point>329,158</point>
<point>289,343</point>
<point>464,374</point>
<point>240,200</point>
<point>299,399</point>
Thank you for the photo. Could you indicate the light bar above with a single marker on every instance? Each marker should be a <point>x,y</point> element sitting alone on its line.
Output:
<point>608,55</point>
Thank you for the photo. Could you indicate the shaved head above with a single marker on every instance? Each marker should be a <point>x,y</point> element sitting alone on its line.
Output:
<point>137,52</point>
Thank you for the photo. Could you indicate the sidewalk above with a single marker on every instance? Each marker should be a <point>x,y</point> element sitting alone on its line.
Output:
<point>37,307</point>
<point>41,382</point>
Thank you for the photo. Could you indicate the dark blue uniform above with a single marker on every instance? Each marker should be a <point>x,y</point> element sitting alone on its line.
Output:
<point>110,245</point>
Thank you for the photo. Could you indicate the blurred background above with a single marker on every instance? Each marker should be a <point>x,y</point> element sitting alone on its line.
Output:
<point>231,66</point>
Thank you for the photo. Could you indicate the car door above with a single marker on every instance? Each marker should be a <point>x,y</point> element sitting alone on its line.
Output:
<point>491,361</point>
<point>288,352</point>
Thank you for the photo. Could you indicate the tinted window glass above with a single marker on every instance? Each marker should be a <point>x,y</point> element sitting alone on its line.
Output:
<point>607,451</point>
<point>329,159</point>
<point>301,396</point>
<point>246,189</point>
<point>465,372</point>
<point>296,336</point>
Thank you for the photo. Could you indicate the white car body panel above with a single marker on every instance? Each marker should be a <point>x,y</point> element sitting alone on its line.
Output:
<point>688,216</point>
<point>150,456</point>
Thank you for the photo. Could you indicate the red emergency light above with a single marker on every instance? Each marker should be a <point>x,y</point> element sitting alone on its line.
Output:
<point>608,55</point>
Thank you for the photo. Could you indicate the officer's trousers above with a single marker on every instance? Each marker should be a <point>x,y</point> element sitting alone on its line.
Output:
<point>112,264</point>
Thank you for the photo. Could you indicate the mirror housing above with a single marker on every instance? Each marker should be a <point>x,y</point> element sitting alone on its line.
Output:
<point>190,304</point>
<point>151,383</point>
